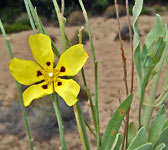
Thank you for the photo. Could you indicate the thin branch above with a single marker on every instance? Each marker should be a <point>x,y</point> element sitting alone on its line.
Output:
<point>125,74</point>
<point>132,72</point>
<point>95,74</point>
<point>132,50</point>
<point>122,50</point>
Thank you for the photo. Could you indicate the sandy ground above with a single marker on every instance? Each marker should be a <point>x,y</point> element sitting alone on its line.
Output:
<point>110,76</point>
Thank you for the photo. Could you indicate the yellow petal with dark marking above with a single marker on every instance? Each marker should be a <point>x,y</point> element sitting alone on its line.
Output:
<point>36,91</point>
<point>68,89</point>
<point>40,45</point>
<point>25,72</point>
<point>72,60</point>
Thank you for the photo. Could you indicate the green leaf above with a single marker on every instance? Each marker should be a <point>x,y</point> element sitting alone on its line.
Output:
<point>163,138</point>
<point>147,146</point>
<point>137,60</point>
<point>136,39</point>
<point>139,140</point>
<point>158,30</point>
<point>160,47</point>
<point>160,146</point>
<point>165,124</point>
<point>118,143</point>
<point>115,123</point>
<point>157,125</point>
<point>144,53</point>
<point>148,62</point>
<point>131,132</point>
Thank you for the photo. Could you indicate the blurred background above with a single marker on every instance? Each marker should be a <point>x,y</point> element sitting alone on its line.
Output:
<point>13,13</point>
<point>104,27</point>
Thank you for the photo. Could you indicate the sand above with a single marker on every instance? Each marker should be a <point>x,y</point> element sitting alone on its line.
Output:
<point>110,76</point>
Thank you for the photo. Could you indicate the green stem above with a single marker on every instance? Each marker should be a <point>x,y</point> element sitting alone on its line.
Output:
<point>18,90</point>
<point>90,129</point>
<point>30,16</point>
<point>61,24</point>
<point>85,85</point>
<point>33,17</point>
<point>79,126</point>
<point>89,97</point>
<point>95,73</point>
<point>82,126</point>
<point>59,119</point>
<point>150,107</point>
<point>24,115</point>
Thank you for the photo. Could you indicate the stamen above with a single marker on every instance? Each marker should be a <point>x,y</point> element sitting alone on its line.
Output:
<point>50,74</point>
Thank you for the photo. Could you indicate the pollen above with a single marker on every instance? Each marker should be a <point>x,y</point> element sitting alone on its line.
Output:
<point>50,74</point>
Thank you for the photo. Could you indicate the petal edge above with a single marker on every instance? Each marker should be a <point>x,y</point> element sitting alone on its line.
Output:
<point>72,60</point>
<point>68,89</point>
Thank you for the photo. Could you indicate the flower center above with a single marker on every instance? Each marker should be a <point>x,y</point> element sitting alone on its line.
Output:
<point>50,74</point>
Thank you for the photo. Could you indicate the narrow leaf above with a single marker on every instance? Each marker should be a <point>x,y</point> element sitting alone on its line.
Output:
<point>157,125</point>
<point>163,138</point>
<point>131,132</point>
<point>139,140</point>
<point>165,125</point>
<point>160,146</point>
<point>147,146</point>
<point>158,30</point>
<point>136,42</point>
<point>118,142</point>
<point>115,123</point>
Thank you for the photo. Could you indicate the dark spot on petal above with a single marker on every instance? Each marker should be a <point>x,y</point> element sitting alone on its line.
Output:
<point>45,86</point>
<point>59,83</point>
<point>39,73</point>
<point>48,63</point>
<point>62,69</point>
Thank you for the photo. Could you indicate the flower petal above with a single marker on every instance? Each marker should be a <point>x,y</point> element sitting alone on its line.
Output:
<point>72,60</point>
<point>25,72</point>
<point>36,91</point>
<point>68,89</point>
<point>40,45</point>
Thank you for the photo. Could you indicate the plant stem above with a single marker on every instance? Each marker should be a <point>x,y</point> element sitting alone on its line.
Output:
<point>95,74</point>
<point>30,16</point>
<point>125,76</point>
<point>91,131</point>
<point>149,108</point>
<point>18,90</point>
<point>132,71</point>
<point>34,19</point>
<point>89,97</point>
<point>85,85</point>
<point>61,24</point>
<point>82,125</point>
<point>59,119</point>
<point>79,126</point>
<point>24,115</point>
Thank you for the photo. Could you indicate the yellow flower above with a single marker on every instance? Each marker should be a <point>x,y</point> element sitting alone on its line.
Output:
<point>28,72</point>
